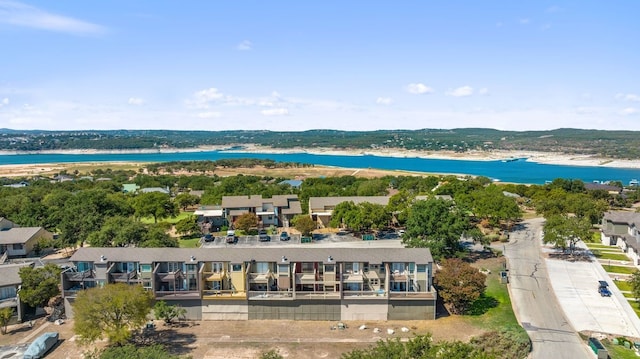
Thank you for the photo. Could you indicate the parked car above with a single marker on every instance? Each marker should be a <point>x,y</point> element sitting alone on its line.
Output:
<point>284,236</point>
<point>231,237</point>
<point>263,236</point>
<point>208,237</point>
<point>39,347</point>
<point>603,288</point>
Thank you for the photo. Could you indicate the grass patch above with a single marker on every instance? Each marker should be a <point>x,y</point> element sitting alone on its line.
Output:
<point>172,220</point>
<point>622,285</point>
<point>619,269</point>
<point>612,256</point>
<point>599,246</point>
<point>618,351</point>
<point>189,243</point>
<point>628,295</point>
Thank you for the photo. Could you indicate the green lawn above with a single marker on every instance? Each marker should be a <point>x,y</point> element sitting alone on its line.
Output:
<point>599,246</point>
<point>618,351</point>
<point>622,285</point>
<point>190,243</point>
<point>172,220</point>
<point>612,256</point>
<point>628,295</point>
<point>500,316</point>
<point>619,269</point>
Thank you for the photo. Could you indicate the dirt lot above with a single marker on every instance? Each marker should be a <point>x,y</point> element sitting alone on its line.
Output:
<point>247,339</point>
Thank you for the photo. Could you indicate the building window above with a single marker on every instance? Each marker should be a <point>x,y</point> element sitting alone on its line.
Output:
<point>236,267</point>
<point>192,267</point>
<point>330,268</point>
<point>173,267</point>
<point>283,268</point>
<point>262,267</point>
<point>422,268</point>
<point>84,266</point>
<point>374,281</point>
<point>216,267</point>
<point>145,268</point>
<point>7,292</point>
<point>18,246</point>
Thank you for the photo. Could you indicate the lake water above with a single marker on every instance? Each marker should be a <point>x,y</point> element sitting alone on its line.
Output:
<point>519,171</point>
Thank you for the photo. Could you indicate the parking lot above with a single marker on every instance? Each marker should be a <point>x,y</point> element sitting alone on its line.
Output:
<point>576,287</point>
<point>318,239</point>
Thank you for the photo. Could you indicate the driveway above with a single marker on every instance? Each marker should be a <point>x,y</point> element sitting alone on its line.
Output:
<point>534,301</point>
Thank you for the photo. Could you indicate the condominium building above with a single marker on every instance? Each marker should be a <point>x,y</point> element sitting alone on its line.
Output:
<point>248,283</point>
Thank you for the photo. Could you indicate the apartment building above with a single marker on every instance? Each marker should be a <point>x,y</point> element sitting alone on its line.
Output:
<point>249,283</point>
<point>621,229</point>
<point>277,210</point>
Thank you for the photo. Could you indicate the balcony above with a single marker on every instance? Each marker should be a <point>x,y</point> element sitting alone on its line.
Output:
<point>398,276</point>
<point>270,295</point>
<point>9,302</point>
<point>178,294</point>
<point>261,278</point>
<point>352,277</point>
<point>124,277</point>
<point>412,295</point>
<point>214,276</point>
<point>306,278</point>
<point>364,294</point>
<point>79,276</point>
<point>223,294</point>
<point>317,295</point>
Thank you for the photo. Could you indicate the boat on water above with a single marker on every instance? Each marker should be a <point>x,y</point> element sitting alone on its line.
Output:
<point>634,182</point>
<point>512,159</point>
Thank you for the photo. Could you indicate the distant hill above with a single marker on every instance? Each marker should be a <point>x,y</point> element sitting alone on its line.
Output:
<point>613,144</point>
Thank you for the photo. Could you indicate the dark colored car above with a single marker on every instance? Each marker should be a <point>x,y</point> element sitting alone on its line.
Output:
<point>603,288</point>
<point>263,236</point>
<point>208,237</point>
<point>284,236</point>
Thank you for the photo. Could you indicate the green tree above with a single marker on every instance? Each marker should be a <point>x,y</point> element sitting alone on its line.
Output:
<point>271,354</point>
<point>634,281</point>
<point>39,284</point>
<point>131,351</point>
<point>157,237</point>
<point>188,226</point>
<point>185,200</point>
<point>163,311</point>
<point>246,221</point>
<point>112,312</point>
<point>399,205</point>
<point>304,224</point>
<point>436,224</point>
<point>5,317</point>
<point>564,231</point>
<point>155,204</point>
<point>118,232</point>
<point>490,203</point>
<point>344,214</point>
<point>459,284</point>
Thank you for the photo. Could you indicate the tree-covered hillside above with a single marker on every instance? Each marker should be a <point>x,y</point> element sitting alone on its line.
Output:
<point>614,144</point>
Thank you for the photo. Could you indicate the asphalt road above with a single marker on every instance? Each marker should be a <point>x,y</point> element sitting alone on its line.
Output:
<point>534,301</point>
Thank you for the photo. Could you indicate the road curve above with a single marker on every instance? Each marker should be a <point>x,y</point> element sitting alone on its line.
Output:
<point>534,301</point>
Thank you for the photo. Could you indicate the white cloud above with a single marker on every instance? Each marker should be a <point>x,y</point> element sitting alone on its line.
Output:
<point>461,91</point>
<point>545,27</point>
<point>384,100</point>
<point>202,99</point>
<point>275,112</point>
<point>210,114</point>
<point>135,101</point>
<point>628,111</point>
<point>19,14</point>
<point>4,102</point>
<point>245,45</point>
<point>524,21</point>
<point>483,91</point>
<point>628,97</point>
<point>419,88</point>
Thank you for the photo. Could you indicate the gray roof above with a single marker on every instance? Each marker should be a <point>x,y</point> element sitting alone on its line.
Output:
<point>254,201</point>
<point>322,203</point>
<point>600,186</point>
<point>9,273</point>
<point>155,189</point>
<point>18,235</point>
<point>260,254</point>
<point>623,217</point>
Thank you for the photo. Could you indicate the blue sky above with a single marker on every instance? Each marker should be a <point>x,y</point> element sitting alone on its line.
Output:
<point>297,65</point>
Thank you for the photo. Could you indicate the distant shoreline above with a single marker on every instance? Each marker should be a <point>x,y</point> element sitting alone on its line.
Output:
<point>550,158</point>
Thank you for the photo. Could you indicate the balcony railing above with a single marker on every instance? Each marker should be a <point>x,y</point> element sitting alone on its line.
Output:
<point>270,295</point>
<point>365,294</point>
<point>412,295</point>
<point>124,277</point>
<point>260,277</point>
<point>79,276</point>
<point>221,294</point>
<point>178,294</point>
<point>317,295</point>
